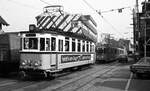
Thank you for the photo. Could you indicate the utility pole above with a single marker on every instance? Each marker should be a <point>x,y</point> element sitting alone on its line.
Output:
<point>145,15</point>
<point>136,23</point>
<point>137,6</point>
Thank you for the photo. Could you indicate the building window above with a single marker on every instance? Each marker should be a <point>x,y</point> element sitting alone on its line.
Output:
<point>79,46</point>
<point>53,44</point>
<point>67,44</point>
<point>60,45</point>
<point>73,45</point>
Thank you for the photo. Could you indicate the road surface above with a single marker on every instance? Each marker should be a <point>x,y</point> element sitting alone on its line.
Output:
<point>99,77</point>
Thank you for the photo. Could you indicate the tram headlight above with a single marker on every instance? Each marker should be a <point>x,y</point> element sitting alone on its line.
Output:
<point>24,62</point>
<point>38,63</point>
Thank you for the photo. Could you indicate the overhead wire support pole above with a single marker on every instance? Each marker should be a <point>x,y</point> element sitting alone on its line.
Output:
<point>145,15</point>
<point>137,6</point>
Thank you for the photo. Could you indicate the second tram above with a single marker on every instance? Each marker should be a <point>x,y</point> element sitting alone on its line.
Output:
<point>107,54</point>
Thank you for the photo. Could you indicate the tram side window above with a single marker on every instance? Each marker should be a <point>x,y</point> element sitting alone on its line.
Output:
<point>47,44</point>
<point>79,46</point>
<point>73,45</point>
<point>83,46</point>
<point>42,44</point>
<point>87,46</point>
<point>67,44</point>
<point>21,41</point>
<point>30,43</point>
<point>53,44</point>
<point>105,50</point>
<point>90,47</point>
<point>60,45</point>
<point>93,48</point>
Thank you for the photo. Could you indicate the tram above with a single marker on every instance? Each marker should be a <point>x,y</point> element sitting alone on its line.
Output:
<point>46,51</point>
<point>107,54</point>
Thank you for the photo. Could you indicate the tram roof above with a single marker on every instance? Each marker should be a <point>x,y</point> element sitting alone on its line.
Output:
<point>60,32</point>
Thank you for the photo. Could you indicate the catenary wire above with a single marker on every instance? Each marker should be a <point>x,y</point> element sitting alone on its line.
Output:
<point>103,16</point>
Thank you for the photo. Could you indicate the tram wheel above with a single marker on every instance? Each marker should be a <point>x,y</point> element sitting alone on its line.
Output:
<point>51,76</point>
<point>22,75</point>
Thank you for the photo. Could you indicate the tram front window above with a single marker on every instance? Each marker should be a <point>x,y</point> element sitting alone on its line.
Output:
<point>100,50</point>
<point>30,43</point>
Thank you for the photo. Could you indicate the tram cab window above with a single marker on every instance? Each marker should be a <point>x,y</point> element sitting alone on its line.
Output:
<point>87,46</point>
<point>53,44</point>
<point>83,46</point>
<point>60,45</point>
<point>47,44</point>
<point>79,46</point>
<point>42,44</point>
<point>67,44</point>
<point>30,43</point>
<point>73,45</point>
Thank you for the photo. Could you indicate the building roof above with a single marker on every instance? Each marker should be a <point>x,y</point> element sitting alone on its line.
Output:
<point>2,21</point>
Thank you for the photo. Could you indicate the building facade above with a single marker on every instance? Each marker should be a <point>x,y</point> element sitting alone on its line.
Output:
<point>141,22</point>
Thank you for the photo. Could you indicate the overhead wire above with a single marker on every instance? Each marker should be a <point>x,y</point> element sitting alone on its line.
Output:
<point>22,4</point>
<point>45,2</point>
<point>112,26</point>
<point>103,16</point>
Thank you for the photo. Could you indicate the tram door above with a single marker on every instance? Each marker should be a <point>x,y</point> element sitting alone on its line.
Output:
<point>53,60</point>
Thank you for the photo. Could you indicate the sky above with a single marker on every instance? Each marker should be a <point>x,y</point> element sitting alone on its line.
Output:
<point>20,13</point>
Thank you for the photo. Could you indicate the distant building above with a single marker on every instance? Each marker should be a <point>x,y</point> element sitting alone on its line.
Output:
<point>2,22</point>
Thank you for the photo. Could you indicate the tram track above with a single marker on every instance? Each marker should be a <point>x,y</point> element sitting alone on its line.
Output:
<point>79,82</point>
<point>94,77</point>
<point>79,75</point>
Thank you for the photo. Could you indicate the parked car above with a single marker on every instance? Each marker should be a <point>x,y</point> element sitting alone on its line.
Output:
<point>136,56</point>
<point>141,67</point>
<point>122,58</point>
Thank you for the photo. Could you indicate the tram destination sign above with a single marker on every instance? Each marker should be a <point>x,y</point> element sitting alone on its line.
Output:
<point>74,58</point>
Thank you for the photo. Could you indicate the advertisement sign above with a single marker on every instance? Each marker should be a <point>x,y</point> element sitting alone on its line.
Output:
<point>74,58</point>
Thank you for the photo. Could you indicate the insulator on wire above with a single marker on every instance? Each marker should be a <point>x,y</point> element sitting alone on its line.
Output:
<point>120,10</point>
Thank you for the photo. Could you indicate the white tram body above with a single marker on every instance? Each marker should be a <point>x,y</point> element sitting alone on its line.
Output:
<point>48,52</point>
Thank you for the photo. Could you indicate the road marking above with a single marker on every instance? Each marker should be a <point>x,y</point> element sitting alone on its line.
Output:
<point>128,83</point>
